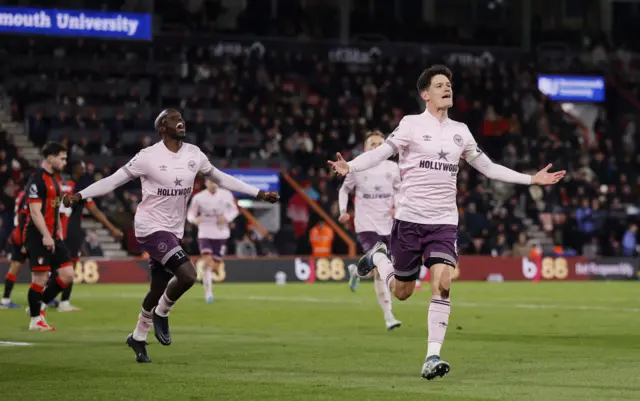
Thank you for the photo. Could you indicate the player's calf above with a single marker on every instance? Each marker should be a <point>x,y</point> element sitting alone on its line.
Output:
<point>184,278</point>
<point>56,285</point>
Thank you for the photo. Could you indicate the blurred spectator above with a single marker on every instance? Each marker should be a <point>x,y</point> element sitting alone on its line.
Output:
<point>521,248</point>
<point>245,248</point>
<point>321,239</point>
<point>629,241</point>
<point>93,245</point>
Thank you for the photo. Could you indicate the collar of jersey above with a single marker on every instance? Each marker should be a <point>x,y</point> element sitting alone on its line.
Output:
<point>435,119</point>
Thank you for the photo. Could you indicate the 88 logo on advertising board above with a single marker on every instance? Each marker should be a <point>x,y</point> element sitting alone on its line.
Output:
<point>86,272</point>
<point>547,269</point>
<point>321,269</point>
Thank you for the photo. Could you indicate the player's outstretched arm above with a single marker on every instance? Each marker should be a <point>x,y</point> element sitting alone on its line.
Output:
<point>495,171</point>
<point>97,213</point>
<point>235,185</point>
<point>363,162</point>
<point>99,188</point>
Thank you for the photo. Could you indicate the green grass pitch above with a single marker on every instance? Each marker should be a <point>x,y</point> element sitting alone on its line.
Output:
<point>506,341</point>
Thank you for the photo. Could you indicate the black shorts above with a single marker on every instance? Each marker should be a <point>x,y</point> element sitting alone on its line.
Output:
<point>18,253</point>
<point>74,246</point>
<point>42,259</point>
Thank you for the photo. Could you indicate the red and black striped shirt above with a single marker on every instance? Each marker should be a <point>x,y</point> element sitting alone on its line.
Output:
<point>44,188</point>
<point>21,219</point>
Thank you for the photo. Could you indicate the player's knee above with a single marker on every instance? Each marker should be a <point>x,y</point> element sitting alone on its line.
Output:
<point>402,293</point>
<point>40,278</point>
<point>188,274</point>
<point>14,267</point>
<point>66,276</point>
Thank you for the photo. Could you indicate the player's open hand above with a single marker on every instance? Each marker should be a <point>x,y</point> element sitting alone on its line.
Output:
<point>544,177</point>
<point>271,196</point>
<point>70,200</point>
<point>221,220</point>
<point>340,166</point>
<point>344,217</point>
<point>49,243</point>
<point>117,234</point>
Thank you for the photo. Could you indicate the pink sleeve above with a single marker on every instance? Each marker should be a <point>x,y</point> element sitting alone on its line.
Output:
<point>231,183</point>
<point>371,158</point>
<point>401,136</point>
<point>137,165</point>
<point>495,171</point>
<point>106,185</point>
<point>192,213</point>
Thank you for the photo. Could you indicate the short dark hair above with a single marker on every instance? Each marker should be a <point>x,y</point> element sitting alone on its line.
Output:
<point>52,149</point>
<point>427,75</point>
<point>375,132</point>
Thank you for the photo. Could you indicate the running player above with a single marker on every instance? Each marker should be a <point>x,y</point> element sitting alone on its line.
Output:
<point>71,219</point>
<point>374,204</point>
<point>43,237</point>
<point>212,211</point>
<point>429,146</point>
<point>167,171</point>
<point>18,251</point>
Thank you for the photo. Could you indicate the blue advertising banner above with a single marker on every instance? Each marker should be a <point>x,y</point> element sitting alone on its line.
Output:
<point>264,179</point>
<point>97,24</point>
<point>572,88</point>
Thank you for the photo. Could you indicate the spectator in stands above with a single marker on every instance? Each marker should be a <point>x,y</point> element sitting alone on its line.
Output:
<point>245,247</point>
<point>321,239</point>
<point>93,246</point>
<point>521,248</point>
<point>584,218</point>
<point>500,246</point>
<point>629,241</point>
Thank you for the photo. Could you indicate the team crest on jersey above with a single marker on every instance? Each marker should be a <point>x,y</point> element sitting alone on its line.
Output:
<point>457,139</point>
<point>192,165</point>
<point>40,261</point>
<point>162,247</point>
<point>389,176</point>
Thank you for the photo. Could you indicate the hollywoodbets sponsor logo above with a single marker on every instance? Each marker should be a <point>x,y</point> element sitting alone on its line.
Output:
<point>174,192</point>
<point>439,166</point>
<point>376,196</point>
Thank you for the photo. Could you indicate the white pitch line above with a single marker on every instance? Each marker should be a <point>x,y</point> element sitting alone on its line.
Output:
<point>351,301</point>
<point>14,344</point>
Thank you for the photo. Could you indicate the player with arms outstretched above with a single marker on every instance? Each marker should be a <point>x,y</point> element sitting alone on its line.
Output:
<point>44,235</point>
<point>212,210</point>
<point>71,219</point>
<point>375,196</point>
<point>167,171</point>
<point>18,251</point>
<point>429,146</point>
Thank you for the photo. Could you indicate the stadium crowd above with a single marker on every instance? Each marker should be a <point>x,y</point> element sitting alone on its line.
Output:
<point>273,108</point>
